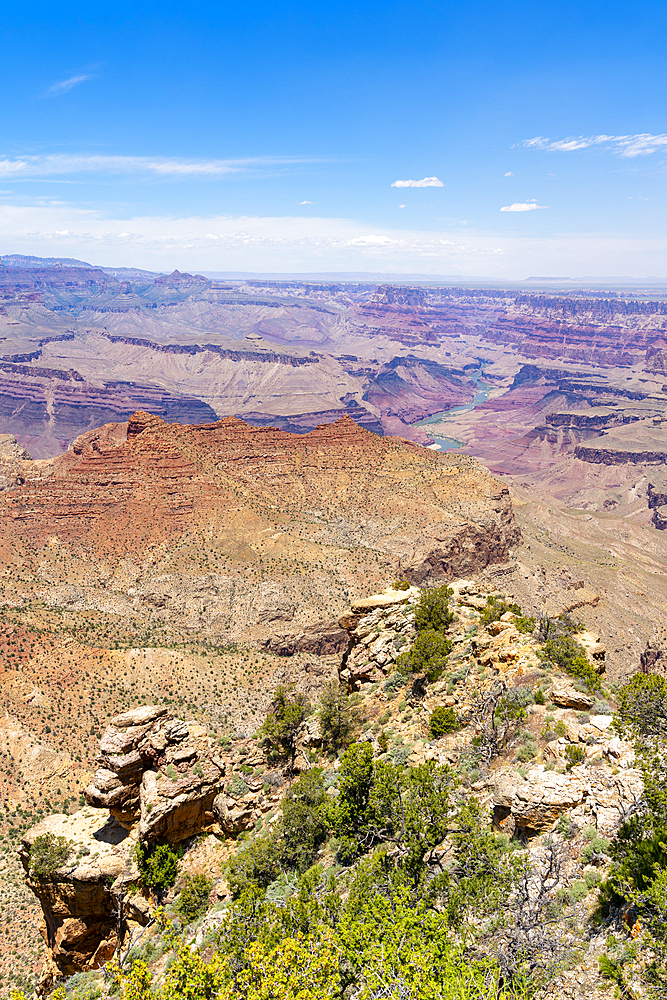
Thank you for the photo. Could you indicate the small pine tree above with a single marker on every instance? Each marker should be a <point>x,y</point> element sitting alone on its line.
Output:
<point>433,611</point>
<point>335,716</point>
<point>288,711</point>
<point>443,721</point>
<point>428,655</point>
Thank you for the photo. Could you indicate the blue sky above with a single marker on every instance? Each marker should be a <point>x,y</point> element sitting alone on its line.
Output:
<point>258,137</point>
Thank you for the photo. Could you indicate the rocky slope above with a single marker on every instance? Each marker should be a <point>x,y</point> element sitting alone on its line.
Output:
<point>305,512</point>
<point>163,778</point>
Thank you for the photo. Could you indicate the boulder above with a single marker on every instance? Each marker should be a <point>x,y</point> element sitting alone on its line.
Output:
<point>542,798</point>
<point>160,770</point>
<point>596,652</point>
<point>566,695</point>
<point>532,805</point>
<point>390,599</point>
<point>235,815</point>
<point>613,799</point>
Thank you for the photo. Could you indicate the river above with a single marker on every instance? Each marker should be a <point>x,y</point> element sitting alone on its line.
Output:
<point>481,396</point>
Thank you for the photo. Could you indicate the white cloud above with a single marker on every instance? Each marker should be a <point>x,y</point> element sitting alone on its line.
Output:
<point>522,206</point>
<point>401,206</point>
<point>62,86</point>
<point>56,164</point>
<point>509,174</point>
<point>231,243</point>
<point>306,243</point>
<point>305,203</point>
<point>425,182</point>
<point>627,146</point>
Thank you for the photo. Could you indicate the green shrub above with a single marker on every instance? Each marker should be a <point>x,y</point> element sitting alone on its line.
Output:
<point>642,705</point>
<point>237,787</point>
<point>592,879</point>
<point>279,729</point>
<point>401,585</point>
<point>256,864</point>
<point>303,825</point>
<point>526,752</point>
<point>158,864</point>
<point>610,970</point>
<point>193,900</point>
<point>433,611</point>
<point>577,891</point>
<point>565,826</point>
<point>495,608</point>
<point>566,653</point>
<point>443,721</point>
<point>428,655</point>
<point>596,846</point>
<point>383,741</point>
<point>525,624</point>
<point>335,716</point>
<point>48,853</point>
<point>575,755</point>
<point>539,697</point>
<point>394,683</point>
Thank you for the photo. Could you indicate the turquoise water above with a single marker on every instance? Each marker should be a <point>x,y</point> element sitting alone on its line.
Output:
<point>481,396</point>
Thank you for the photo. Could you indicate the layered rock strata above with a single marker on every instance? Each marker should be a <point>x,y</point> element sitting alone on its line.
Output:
<point>339,502</point>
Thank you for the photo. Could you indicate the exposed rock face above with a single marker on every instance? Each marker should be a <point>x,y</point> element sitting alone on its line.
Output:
<point>567,696</point>
<point>159,769</point>
<point>162,779</point>
<point>248,498</point>
<point>13,458</point>
<point>653,660</point>
<point>640,443</point>
<point>322,640</point>
<point>381,627</point>
<point>169,466</point>
<point>79,904</point>
<point>533,805</point>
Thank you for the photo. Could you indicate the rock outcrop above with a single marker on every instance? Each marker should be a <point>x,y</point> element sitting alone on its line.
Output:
<point>381,627</point>
<point>653,659</point>
<point>81,909</point>
<point>531,805</point>
<point>160,770</point>
<point>161,780</point>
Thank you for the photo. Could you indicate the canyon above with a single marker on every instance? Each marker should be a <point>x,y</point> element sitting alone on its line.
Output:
<point>202,481</point>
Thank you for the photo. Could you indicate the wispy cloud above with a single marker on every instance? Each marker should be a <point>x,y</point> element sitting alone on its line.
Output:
<point>425,182</point>
<point>211,240</point>
<point>62,86</point>
<point>58,164</point>
<point>522,206</point>
<point>305,203</point>
<point>509,174</point>
<point>307,243</point>
<point>628,146</point>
